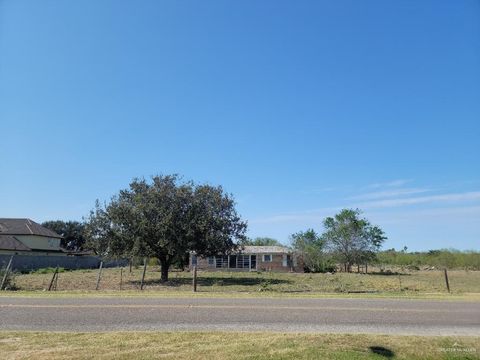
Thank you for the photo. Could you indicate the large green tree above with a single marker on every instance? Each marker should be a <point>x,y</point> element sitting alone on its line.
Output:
<point>71,231</point>
<point>165,218</point>
<point>352,238</point>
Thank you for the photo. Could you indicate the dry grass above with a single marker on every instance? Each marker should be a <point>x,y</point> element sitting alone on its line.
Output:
<point>227,345</point>
<point>414,283</point>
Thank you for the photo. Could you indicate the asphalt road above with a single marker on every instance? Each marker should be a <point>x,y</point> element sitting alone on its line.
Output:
<point>386,316</point>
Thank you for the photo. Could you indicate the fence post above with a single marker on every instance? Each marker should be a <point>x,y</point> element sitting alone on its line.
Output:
<point>143,274</point>
<point>446,279</point>
<point>53,279</point>
<point>121,278</point>
<point>194,278</point>
<point>7,270</point>
<point>55,285</point>
<point>99,275</point>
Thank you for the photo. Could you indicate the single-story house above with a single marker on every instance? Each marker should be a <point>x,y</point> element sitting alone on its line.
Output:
<point>251,258</point>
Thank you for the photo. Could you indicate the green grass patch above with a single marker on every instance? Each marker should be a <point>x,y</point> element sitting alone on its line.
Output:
<point>231,345</point>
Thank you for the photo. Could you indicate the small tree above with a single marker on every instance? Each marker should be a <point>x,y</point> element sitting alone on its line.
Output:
<point>166,218</point>
<point>352,238</point>
<point>312,249</point>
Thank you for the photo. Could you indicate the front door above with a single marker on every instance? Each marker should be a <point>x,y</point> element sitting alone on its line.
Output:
<point>232,263</point>
<point>253,262</point>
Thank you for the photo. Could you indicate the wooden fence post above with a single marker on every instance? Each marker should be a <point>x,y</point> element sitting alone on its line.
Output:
<point>55,285</point>
<point>99,276</point>
<point>446,279</point>
<point>194,278</point>
<point>7,270</point>
<point>53,279</point>
<point>143,274</point>
<point>121,278</point>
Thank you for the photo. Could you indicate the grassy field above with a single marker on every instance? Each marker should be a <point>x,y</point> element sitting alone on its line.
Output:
<point>413,283</point>
<point>227,345</point>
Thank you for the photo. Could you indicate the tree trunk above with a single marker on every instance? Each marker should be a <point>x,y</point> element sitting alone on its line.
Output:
<point>165,265</point>
<point>164,273</point>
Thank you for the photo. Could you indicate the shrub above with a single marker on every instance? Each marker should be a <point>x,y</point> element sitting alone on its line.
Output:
<point>446,258</point>
<point>9,281</point>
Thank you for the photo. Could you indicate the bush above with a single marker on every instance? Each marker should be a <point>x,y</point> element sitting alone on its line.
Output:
<point>10,280</point>
<point>450,259</point>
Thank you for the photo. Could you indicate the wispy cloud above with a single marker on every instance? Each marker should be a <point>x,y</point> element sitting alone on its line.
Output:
<point>452,197</point>
<point>389,193</point>
<point>441,214</point>
<point>393,183</point>
<point>317,215</point>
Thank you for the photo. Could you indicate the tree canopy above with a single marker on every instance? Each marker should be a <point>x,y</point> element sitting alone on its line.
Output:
<point>311,246</point>
<point>165,218</point>
<point>348,238</point>
<point>263,241</point>
<point>352,238</point>
<point>71,231</point>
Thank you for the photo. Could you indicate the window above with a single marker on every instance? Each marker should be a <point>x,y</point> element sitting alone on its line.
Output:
<point>267,257</point>
<point>221,262</point>
<point>243,261</point>
<point>211,261</point>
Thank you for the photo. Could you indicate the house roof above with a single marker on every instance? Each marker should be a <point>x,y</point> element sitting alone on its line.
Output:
<point>24,227</point>
<point>265,249</point>
<point>9,242</point>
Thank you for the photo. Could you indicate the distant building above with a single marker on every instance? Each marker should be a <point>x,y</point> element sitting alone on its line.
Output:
<point>34,246</point>
<point>251,258</point>
<point>26,237</point>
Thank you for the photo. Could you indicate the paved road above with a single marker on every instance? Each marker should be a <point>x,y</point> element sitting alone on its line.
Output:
<point>387,316</point>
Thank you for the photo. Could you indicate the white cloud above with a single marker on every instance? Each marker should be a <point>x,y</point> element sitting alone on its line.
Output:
<point>393,183</point>
<point>440,215</point>
<point>317,215</point>
<point>389,193</point>
<point>452,197</point>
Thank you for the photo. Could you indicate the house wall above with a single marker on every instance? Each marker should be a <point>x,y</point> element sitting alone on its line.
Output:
<point>40,242</point>
<point>277,264</point>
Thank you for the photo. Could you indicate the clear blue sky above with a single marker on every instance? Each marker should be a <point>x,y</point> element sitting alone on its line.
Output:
<point>298,108</point>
